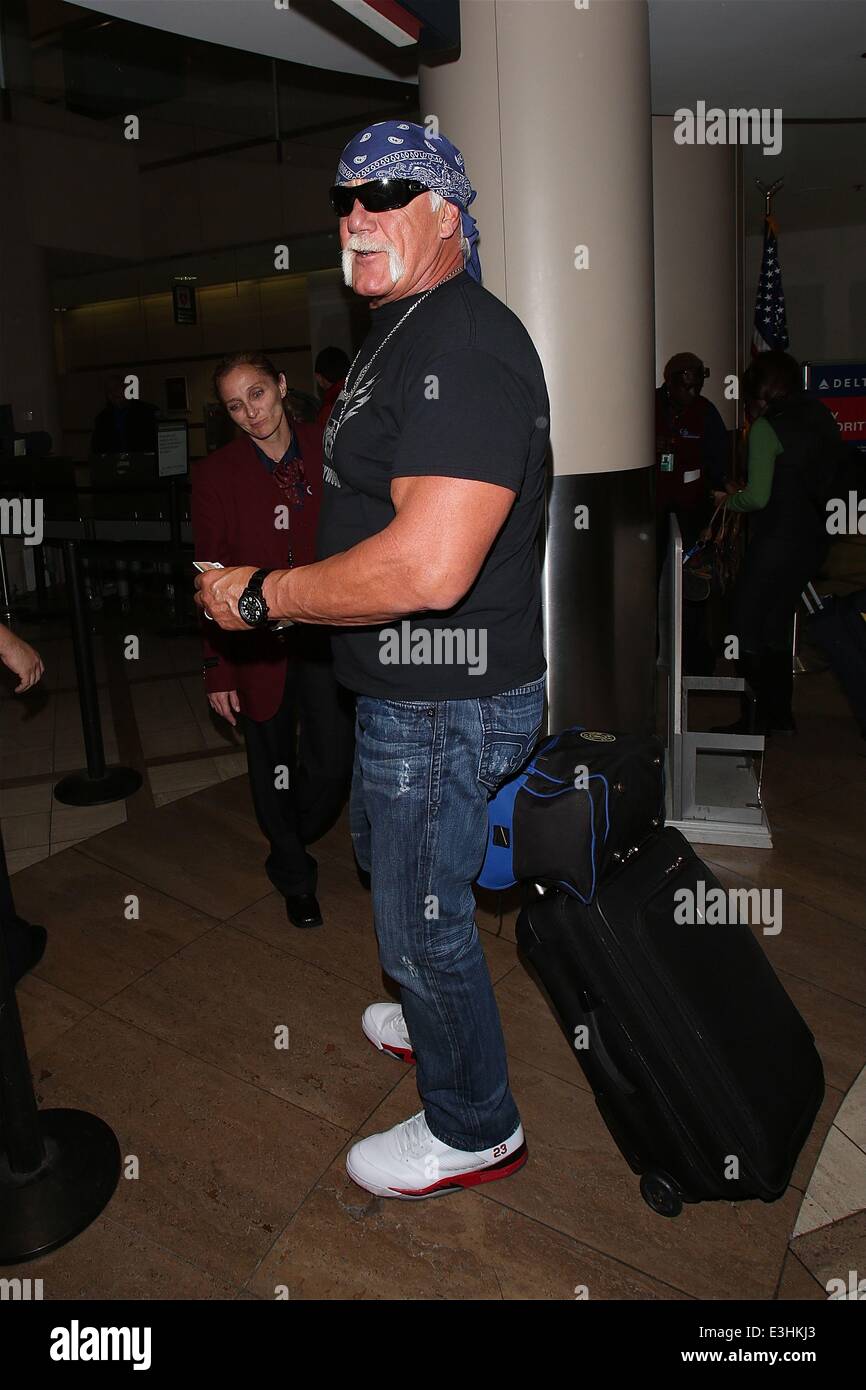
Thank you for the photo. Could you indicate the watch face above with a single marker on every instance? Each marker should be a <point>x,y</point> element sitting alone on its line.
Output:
<point>251,608</point>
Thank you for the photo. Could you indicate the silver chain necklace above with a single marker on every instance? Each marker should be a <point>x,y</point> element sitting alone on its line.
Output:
<point>345,394</point>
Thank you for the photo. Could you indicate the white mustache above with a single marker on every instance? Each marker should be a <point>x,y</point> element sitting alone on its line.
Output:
<point>357,243</point>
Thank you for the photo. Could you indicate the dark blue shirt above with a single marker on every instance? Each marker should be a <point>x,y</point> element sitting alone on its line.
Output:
<point>293,452</point>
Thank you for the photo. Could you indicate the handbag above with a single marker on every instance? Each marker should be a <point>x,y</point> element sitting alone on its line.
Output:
<point>717,560</point>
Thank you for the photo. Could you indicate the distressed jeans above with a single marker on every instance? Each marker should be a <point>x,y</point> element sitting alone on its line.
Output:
<point>424,772</point>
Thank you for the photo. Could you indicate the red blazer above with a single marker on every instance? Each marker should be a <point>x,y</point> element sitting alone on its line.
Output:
<point>233,519</point>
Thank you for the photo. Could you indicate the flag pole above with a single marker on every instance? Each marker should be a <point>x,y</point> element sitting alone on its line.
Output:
<point>769,191</point>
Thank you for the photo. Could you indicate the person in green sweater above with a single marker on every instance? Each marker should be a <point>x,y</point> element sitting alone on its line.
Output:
<point>764,448</point>
<point>794,453</point>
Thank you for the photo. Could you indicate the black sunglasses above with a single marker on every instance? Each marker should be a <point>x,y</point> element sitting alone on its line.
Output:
<point>379,195</point>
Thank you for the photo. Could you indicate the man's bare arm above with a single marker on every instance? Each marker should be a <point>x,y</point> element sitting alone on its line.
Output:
<point>428,557</point>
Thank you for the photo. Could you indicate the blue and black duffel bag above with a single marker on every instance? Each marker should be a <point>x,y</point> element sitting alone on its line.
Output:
<point>584,803</point>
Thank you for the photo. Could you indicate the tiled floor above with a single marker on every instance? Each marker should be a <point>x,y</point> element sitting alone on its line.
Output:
<point>155,705</point>
<point>165,1026</point>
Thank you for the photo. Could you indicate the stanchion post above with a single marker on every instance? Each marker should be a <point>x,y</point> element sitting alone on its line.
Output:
<point>25,1151</point>
<point>179,583</point>
<point>174,542</point>
<point>58,1168</point>
<point>97,784</point>
<point>84,669</point>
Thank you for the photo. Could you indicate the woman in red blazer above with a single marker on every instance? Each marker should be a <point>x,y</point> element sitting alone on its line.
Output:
<point>259,498</point>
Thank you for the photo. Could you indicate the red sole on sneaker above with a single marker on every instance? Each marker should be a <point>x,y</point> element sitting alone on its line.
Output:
<point>401,1053</point>
<point>454,1183</point>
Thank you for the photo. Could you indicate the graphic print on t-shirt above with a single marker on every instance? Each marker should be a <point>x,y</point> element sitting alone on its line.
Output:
<point>460,394</point>
<point>356,398</point>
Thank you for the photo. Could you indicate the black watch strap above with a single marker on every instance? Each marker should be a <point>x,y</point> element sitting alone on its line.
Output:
<point>252,596</point>
<point>256,581</point>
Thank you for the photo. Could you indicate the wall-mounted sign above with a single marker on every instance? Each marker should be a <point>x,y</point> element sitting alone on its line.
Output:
<point>432,24</point>
<point>841,386</point>
<point>183,300</point>
<point>172,448</point>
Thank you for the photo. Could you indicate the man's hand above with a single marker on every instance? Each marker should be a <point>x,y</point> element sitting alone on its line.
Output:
<point>427,558</point>
<point>21,658</point>
<point>218,594</point>
<point>226,704</point>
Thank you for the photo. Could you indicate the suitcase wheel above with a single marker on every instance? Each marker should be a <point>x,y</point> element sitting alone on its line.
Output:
<point>661,1193</point>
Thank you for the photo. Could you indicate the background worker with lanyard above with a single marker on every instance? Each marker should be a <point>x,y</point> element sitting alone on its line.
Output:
<point>691,458</point>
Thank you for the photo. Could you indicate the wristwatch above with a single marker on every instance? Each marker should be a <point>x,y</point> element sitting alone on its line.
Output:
<point>251,604</point>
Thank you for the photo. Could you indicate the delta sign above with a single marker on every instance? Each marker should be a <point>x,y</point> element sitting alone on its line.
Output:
<point>842,388</point>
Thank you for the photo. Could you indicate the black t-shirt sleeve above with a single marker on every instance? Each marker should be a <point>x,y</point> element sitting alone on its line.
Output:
<point>466,416</point>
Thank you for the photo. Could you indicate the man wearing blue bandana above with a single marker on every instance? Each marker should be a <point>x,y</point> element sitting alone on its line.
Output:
<point>435,467</point>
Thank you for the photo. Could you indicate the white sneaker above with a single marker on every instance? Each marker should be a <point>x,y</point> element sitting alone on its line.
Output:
<point>385,1026</point>
<point>410,1162</point>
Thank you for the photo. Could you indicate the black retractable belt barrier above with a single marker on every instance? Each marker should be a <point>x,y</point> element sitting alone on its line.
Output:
<point>97,784</point>
<point>58,1168</point>
<point>183,623</point>
<point>5,606</point>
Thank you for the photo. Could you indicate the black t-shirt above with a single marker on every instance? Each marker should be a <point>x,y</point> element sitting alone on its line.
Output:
<point>459,392</point>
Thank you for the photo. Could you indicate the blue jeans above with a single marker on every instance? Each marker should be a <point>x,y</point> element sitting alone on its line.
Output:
<point>424,772</point>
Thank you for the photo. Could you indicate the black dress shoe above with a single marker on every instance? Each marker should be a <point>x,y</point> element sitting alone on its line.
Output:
<point>304,911</point>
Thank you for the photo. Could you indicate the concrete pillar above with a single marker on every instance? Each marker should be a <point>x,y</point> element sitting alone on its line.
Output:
<point>550,105</point>
<point>695,236</point>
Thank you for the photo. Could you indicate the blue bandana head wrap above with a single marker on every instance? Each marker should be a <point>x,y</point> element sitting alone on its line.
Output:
<point>403,150</point>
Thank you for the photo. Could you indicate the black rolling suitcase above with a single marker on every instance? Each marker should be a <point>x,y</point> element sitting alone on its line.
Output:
<point>702,1068</point>
<point>839,629</point>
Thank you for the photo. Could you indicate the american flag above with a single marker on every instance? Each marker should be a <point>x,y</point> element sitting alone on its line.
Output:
<point>771,328</point>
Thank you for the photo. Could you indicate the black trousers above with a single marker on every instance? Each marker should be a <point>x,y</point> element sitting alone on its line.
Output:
<point>770,674</point>
<point>300,763</point>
